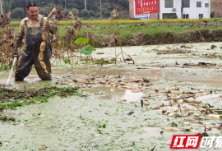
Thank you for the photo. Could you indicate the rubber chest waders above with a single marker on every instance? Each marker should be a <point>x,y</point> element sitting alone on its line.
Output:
<point>30,55</point>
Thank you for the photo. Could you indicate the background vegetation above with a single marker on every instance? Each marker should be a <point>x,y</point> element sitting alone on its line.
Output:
<point>93,7</point>
<point>153,31</point>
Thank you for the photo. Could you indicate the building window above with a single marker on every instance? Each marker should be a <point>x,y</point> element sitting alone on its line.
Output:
<point>185,3</point>
<point>168,3</point>
<point>169,16</point>
<point>198,4</point>
<point>206,4</point>
<point>186,16</point>
<point>200,15</point>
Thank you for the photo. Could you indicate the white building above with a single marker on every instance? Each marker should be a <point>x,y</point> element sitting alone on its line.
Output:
<point>185,8</point>
<point>191,9</point>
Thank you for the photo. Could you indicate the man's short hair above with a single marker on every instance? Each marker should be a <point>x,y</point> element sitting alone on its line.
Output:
<point>31,4</point>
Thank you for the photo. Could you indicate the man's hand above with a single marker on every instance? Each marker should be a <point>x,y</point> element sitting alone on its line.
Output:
<point>15,53</point>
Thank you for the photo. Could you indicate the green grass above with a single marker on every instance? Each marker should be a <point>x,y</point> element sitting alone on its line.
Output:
<point>4,67</point>
<point>151,28</point>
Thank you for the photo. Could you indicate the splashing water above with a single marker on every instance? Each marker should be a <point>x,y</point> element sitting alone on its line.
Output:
<point>14,61</point>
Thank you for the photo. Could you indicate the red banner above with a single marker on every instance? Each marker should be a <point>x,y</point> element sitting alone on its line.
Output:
<point>145,6</point>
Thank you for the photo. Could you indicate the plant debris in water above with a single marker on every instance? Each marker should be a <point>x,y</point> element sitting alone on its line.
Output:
<point>6,118</point>
<point>173,51</point>
<point>12,98</point>
<point>173,102</point>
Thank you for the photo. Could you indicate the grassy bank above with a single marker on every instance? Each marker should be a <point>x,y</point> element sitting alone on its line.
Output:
<point>149,33</point>
<point>143,32</point>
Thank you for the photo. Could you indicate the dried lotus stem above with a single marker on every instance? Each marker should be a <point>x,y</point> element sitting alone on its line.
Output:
<point>52,13</point>
<point>114,14</point>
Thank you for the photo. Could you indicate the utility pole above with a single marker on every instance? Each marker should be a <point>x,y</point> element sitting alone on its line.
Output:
<point>209,9</point>
<point>1,4</point>
<point>158,9</point>
<point>218,9</point>
<point>85,4</point>
<point>101,9</point>
<point>65,4</point>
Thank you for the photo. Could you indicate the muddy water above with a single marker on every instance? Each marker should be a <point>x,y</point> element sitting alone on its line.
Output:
<point>98,122</point>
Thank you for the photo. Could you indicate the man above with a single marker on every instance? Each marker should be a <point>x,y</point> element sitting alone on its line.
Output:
<point>31,28</point>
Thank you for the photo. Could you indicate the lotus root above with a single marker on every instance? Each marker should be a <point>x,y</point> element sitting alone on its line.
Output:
<point>44,36</point>
<point>46,71</point>
<point>45,22</point>
<point>42,46</point>
<point>43,65</point>
<point>41,56</point>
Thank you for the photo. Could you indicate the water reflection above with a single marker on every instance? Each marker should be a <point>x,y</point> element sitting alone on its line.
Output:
<point>130,96</point>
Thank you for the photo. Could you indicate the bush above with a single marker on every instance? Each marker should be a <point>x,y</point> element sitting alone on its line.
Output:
<point>123,14</point>
<point>97,14</point>
<point>91,18</point>
<point>107,13</point>
<point>91,13</point>
<point>75,11</point>
<point>85,12</point>
<point>18,13</point>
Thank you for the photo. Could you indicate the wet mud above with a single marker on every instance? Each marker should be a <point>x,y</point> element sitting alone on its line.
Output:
<point>122,107</point>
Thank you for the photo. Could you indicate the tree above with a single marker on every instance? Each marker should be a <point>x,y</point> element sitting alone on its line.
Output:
<point>124,4</point>
<point>75,11</point>
<point>85,13</point>
<point>106,13</point>
<point>18,13</point>
<point>93,6</point>
<point>7,6</point>
<point>91,13</point>
<point>44,11</point>
<point>97,14</point>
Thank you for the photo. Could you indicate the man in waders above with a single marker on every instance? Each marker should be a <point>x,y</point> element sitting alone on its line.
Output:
<point>31,29</point>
